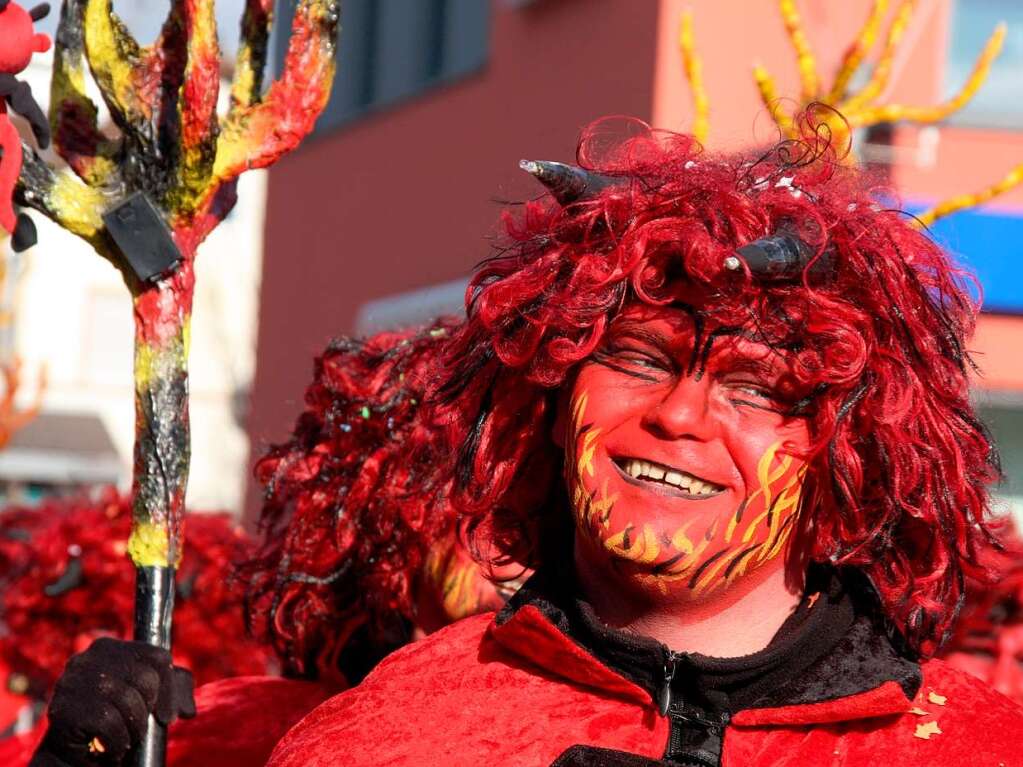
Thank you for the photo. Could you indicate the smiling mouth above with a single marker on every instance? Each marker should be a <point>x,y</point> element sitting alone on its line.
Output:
<point>646,473</point>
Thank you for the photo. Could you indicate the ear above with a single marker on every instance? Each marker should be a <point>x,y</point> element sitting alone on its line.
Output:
<point>39,12</point>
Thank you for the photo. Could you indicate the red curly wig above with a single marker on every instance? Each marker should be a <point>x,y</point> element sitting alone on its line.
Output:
<point>351,503</point>
<point>899,464</point>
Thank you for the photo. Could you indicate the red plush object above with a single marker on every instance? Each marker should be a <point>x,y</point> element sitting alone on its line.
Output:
<point>988,640</point>
<point>18,38</point>
<point>523,693</point>
<point>65,580</point>
<point>18,41</point>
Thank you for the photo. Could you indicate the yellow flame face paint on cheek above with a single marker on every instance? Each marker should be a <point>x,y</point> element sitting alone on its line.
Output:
<point>592,506</point>
<point>768,515</point>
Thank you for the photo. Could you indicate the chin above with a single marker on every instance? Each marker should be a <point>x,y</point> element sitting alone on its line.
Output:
<point>654,582</point>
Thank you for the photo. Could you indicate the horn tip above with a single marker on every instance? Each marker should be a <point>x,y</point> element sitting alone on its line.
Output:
<point>531,167</point>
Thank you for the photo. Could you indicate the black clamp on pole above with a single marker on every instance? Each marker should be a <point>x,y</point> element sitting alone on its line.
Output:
<point>143,238</point>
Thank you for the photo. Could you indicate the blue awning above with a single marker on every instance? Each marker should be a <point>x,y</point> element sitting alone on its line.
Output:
<point>990,244</point>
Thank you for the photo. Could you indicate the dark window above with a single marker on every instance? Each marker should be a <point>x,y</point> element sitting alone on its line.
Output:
<point>1005,419</point>
<point>391,50</point>
<point>999,103</point>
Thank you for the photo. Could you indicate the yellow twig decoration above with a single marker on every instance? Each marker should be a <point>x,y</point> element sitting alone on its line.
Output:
<point>883,69</point>
<point>963,201</point>
<point>856,52</point>
<point>858,109</point>
<point>693,66</point>
<point>769,96</point>
<point>804,55</point>
<point>932,114</point>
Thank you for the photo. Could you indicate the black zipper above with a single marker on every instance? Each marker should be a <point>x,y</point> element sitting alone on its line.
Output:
<point>670,664</point>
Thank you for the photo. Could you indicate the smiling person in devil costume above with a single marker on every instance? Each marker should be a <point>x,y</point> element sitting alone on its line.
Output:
<point>720,403</point>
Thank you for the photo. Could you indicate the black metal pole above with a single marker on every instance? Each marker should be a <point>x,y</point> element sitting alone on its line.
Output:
<point>154,604</point>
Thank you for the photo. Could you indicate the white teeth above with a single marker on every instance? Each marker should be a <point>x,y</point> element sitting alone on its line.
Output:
<point>652,471</point>
<point>673,478</point>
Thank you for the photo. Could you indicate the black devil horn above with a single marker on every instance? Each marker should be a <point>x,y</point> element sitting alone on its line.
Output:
<point>39,12</point>
<point>778,257</point>
<point>567,183</point>
<point>3,5</point>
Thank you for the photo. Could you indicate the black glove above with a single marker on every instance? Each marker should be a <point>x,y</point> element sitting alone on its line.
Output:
<point>98,712</point>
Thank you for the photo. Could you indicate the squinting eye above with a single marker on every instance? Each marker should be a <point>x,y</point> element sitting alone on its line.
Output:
<point>635,363</point>
<point>640,360</point>
<point>754,390</point>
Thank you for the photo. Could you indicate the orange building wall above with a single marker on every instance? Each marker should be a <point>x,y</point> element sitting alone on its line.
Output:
<point>406,198</point>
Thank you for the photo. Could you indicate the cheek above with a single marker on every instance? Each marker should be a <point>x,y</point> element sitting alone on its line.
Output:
<point>611,398</point>
<point>753,437</point>
<point>759,529</point>
<point>586,477</point>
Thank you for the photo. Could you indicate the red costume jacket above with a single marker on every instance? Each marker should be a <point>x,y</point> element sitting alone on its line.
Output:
<point>519,691</point>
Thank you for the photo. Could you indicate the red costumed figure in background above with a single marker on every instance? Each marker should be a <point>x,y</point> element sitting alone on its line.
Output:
<point>18,41</point>
<point>65,581</point>
<point>988,639</point>
<point>720,403</point>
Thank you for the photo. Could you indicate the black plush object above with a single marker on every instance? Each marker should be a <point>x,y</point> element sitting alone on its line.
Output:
<point>142,237</point>
<point>18,94</point>
<point>24,236</point>
<point>39,12</point>
<point>102,700</point>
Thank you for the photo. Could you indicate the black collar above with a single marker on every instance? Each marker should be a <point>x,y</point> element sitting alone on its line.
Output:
<point>832,646</point>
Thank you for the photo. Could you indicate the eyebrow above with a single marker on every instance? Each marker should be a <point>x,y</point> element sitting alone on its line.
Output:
<point>634,330</point>
<point>740,363</point>
<point>703,347</point>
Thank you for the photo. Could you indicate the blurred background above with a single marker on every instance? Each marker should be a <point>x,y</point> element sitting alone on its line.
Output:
<point>378,219</point>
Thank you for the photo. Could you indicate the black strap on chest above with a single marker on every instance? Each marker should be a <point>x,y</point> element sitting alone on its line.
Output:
<point>696,738</point>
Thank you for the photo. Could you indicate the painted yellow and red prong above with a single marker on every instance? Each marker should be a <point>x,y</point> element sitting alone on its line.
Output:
<point>173,148</point>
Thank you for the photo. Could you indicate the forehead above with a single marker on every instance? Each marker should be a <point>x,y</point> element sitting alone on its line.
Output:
<point>682,330</point>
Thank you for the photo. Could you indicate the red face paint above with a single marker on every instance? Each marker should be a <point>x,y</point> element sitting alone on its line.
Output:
<point>681,457</point>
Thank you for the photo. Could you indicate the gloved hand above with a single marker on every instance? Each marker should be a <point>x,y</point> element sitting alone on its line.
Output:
<point>98,712</point>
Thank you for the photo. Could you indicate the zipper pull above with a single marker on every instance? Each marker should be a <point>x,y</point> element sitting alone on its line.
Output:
<point>669,674</point>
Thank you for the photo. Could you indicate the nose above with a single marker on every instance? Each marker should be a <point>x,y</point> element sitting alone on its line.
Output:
<point>684,412</point>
